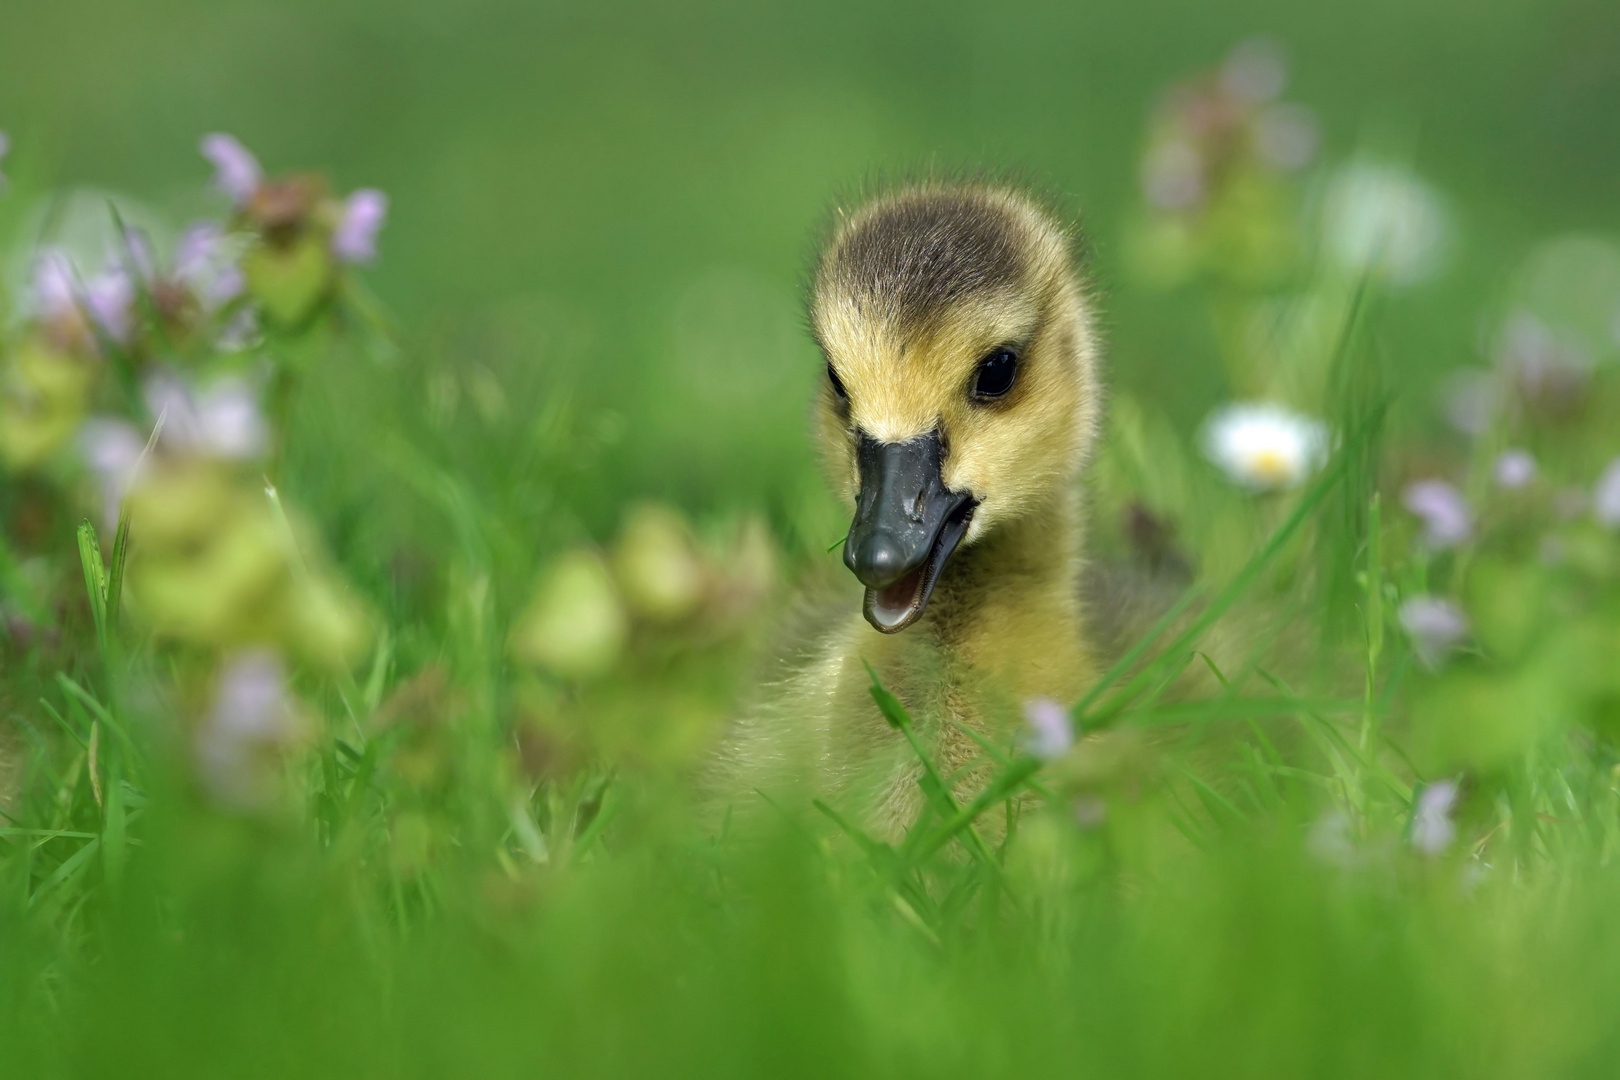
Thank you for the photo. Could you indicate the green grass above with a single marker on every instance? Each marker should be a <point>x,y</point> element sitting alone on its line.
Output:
<point>461,854</point>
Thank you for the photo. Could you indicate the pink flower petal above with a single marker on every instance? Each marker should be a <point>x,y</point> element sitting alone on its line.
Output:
<point>355,238</point>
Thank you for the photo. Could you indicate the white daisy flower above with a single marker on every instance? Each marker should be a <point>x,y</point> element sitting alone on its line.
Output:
<point>1386,218</point>
<point>1265,447</point>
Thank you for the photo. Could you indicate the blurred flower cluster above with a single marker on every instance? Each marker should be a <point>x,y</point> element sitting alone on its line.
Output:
<point>1495,554</point>
<point>1276,242</point>
<point>1224,210</point>
<point>657,579</point>
<point>96,325</point>
<point>663,590</point>
<point>1218,175</point>
<point>1277,246</point>
<point>133,385</point>
<point>1512,601</point>
<point>303,234</point>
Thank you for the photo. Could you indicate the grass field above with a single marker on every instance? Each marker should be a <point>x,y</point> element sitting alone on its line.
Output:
<point>380,563</point>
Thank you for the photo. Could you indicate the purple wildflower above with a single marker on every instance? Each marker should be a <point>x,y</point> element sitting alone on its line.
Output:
<point>1287,136</point>
<point>355,238</point>
<point>196,248</point>
<point>1435,626</point>
<point>112,450</point>
<point>109,300</point>
<point>222,420</point>
<point>1606,496</point>
<point>106,300</point>
<point>5,145</point>
<point>251,716</point>
<point>1472,399</point>
<point>1255,72</point>
<point>1514,469</point>
<point>1090,811</point>
<point>1548,369</point>
<point>1051,730</point>
<point>239,332</point>
<point>205,262</point>
<point>1447,519</point>
<point>55,291</point>
<point>135,257</point>
<point>1173,176</point>
<point>236,170</point>
<point>1432,827</point>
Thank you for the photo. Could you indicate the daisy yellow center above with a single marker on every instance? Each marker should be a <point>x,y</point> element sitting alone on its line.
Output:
<point>1271,465</point>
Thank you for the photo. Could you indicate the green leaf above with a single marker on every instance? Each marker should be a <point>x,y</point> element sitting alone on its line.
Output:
<point>1003,786</point>
<point>889,705</point>
<point>114,832</point>
<point>115,574</point>
<point>289,282</point>
<point>100,711</point>
<point>1220,808</point>
<point>95,576</point>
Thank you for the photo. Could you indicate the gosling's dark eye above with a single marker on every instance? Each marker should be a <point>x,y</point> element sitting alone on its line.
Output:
<point>996,374</point>
<point>837,385</point>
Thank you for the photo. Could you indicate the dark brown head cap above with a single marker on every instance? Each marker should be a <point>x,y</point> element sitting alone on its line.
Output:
<point>905,258</point>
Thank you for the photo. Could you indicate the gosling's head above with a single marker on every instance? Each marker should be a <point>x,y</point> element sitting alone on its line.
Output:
<point>960,389</point>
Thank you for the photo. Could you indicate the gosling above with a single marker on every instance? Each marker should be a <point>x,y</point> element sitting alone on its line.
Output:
<point>958,408</point>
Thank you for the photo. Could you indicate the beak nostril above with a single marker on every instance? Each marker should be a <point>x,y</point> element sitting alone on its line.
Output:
<point>879,561</point>
<point>900,511</point>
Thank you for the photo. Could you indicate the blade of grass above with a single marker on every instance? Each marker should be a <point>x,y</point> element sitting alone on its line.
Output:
<point>934,788</point>
<point>120,553</point>
<point>1239,708</point>
<point>611,802</point>
<point>114,831</point>
<point>95,577</point>
<point>65,874</point>
<point>1236,588</point>
<point>998,755</point>
<point>1124,664</point>
<point>50,710</point>
<point>1003,786</point>
<point>1219,807</point>
<point>100,711</point>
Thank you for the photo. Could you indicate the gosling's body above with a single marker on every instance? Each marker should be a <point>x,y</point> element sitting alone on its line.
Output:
<point>918,295</point>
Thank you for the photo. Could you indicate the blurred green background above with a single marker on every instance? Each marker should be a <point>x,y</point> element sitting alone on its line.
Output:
<point>618,198</point>
<point>600,226</point>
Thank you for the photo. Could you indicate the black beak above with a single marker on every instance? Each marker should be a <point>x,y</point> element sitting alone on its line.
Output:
<point>906,525</point>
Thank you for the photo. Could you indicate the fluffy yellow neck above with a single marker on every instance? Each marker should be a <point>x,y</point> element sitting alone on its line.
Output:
<point>1005,617</point>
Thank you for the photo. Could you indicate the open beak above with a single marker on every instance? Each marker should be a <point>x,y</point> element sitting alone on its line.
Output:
<point>906,525</point>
